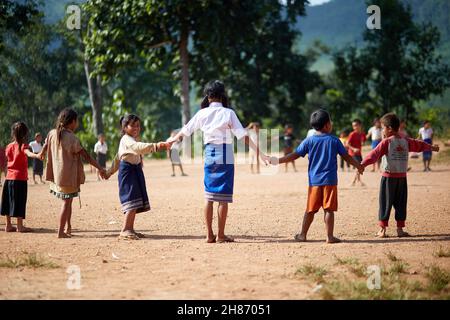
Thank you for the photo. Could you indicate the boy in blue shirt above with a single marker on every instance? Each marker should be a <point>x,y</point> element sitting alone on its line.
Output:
<point>322,149</point>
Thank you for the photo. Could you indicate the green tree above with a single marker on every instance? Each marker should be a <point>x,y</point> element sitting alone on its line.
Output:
<point>397,67</point>
<point>179,32</point>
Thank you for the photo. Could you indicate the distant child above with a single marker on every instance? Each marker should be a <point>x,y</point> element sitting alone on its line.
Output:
<point>355,142</point>
<point>128,161</point>
<point>14,197</point>
<point>174,154</point>
<point>394,151</point>
<point>253,133</point>
<point>101,151</point>
<point>376,135</point>
<point>322,149</point>
<point>38,164</point>
<point>3,163</point>
<point>426,134</point>
<point>219,124</point>
<point>343,137</point>
<point>64,169</point>
<point>288,146</point>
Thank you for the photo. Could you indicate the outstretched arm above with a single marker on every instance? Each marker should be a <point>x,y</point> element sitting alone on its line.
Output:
<point>31,154</point>
<point>287,158</point>
<point>255,148</point>
<point>87,157</point>
<point>349,159</point>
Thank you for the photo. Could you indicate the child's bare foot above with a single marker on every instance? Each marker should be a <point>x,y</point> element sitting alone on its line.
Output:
<point>211,240</point>
<point>401,233</point>
<point>224,239</point>
<point>24,230</point>
<point>333,240</point>
<point>63,236</point>
<point>140,235</point>
<point>300,237</point>
<point>10,229</point>
<point>382,233</point>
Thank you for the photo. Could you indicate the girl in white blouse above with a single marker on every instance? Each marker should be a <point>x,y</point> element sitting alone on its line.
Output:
<point>219,124</point>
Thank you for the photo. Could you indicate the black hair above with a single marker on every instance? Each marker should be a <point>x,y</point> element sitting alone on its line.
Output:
<point>66,117</point>
<point>215,90</point>
<point>319,119</point>
<point>391,120</point>
<point>126,120</point>
<point>376,120</point>
<point>358,121</point>
<point>425,122</point>
<point>19,133</point>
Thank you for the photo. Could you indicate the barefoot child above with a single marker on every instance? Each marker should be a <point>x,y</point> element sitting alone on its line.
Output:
<point>343,137</point>
<point>289,140</point>
<point>355,142</point>
<point>219,123</point>
<point>64,169</point>
<point>174,154</point>
<point>376,135</point>
<point>394,150</point>
<point>14,197</point>
<point>38,164</point>
<point>426,134</point>
<point>322,149</point>
<point>128,161</point>
<point>253,133</point>
<point>101,151</point>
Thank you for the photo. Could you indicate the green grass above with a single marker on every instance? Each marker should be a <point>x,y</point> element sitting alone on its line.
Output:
<point>30,260</point>
<point>442,253</point>
<point>438,279</point>
<point>309,270</point>
<point>398,267</point>
<point>353,265</point>
<point>392,257</point>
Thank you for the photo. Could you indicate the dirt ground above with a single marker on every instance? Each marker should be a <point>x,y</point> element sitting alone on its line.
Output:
<point>174,262</point>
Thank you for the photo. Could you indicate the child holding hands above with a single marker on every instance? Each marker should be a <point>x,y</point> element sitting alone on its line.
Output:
<point>322,149</point>
<point>128,161</point>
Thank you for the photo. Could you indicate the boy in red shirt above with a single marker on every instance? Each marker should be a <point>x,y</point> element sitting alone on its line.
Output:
<point>355,142</point>
<point>394,151</point>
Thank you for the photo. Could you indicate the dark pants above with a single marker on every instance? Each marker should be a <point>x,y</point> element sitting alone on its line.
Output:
<point>14,198</point>
<point>393,193</point>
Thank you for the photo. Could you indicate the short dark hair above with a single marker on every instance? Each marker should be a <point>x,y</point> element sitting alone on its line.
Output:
<point>357,121</point>
<point>215,90</point>
<point>391,120</point>
<point>128,119</point>
<point>425,122</point>
<point>19,133</point>
<point>319,119</point>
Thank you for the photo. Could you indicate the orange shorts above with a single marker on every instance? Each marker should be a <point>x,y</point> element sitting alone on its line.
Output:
<point>322,196</point>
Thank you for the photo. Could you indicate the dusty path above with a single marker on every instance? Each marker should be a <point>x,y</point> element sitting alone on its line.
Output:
<point>174,262</point>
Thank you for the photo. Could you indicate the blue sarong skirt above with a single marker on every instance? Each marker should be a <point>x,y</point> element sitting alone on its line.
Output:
<point>219,172</point>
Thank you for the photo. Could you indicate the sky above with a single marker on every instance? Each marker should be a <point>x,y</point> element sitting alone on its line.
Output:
<point>316,2</point>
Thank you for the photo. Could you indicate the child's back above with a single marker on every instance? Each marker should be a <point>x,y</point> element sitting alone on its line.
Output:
<point>322,150</point>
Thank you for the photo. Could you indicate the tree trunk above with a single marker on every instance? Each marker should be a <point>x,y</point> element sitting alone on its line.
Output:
<point>95,96</point>
<point>184,57</point>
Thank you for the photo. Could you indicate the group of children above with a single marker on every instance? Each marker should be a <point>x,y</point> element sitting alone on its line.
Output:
<point>219,123</point>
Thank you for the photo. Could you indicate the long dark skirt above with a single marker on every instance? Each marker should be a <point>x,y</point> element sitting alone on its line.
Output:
<point>38,167</point>
<point>132,188</point>
<point>14,198</point>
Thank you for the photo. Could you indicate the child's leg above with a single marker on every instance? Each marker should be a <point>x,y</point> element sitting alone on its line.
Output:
<point>34,178</point>
<point>428,164</point>
<point>210,237</point>
<point>329,223</point>
<point>69,222</point>
<point>182,171</point>
<point>387,194</point>
<point>308,218</point>
<point>21,227</point>
<point>400,206</point>
<point>293,164</point>
<point>64,215</point>
<point>9,227</point>
<point>223,212</point>
<point>128,224</point>
<point>173,170</point>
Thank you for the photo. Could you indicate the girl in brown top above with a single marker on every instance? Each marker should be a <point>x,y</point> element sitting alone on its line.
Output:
<point>64,166</point>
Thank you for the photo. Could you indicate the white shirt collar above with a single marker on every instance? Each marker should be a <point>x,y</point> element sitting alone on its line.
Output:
<point>215,104</point>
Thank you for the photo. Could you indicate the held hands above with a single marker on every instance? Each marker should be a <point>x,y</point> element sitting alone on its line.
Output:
<point>435,148</point>
<point>103,174</point>
<point>360,169</point>
<point>164,145</point>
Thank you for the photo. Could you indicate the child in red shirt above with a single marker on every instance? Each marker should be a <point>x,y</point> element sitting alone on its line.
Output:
<point>14,197</point>
<point>394,150</point>
<point>354,143</point>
